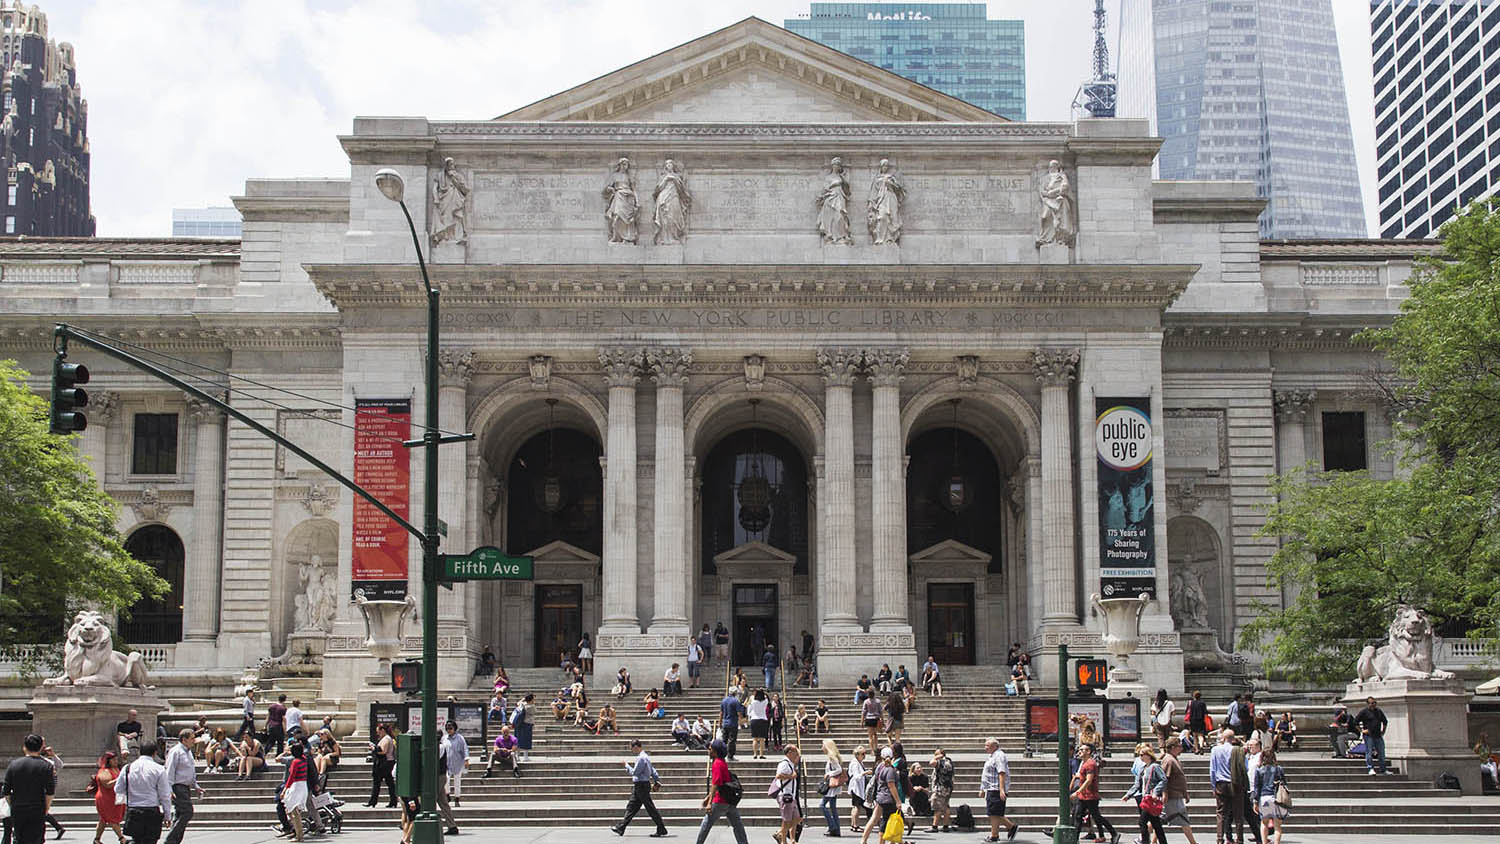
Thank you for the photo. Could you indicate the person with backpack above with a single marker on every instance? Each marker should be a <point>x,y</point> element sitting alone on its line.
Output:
<point>784,791</point>
<point>1271,797</point>
<point>884,795</point>
<point>942,790</point>
<point>1150,788</point>
<point>724,793</point>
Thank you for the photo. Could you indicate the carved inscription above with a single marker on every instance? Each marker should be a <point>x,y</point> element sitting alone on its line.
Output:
<point>1192,442</point>
<point>994,202</point>
<point>536,201</point>
<point>796,319</point>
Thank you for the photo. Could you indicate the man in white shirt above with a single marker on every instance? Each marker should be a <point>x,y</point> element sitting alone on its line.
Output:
<point>994,782</point>
<point>182,776</point>
<point>694,662</point>
<point>293,720</point>
<point>147,793</point>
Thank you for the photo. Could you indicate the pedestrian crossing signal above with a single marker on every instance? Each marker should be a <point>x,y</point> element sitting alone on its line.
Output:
<point>1090,674</point>
<point>406,677</point>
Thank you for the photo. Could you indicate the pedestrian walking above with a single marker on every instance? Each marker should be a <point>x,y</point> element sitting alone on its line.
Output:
<point>1372,723</point>
<point>293,720</point>
<point>731,712</point>
<point>276,726</point>
<point>724,793</point>
<point>721,642</point>
<point>1269,786</point>
<point>784,791</point>
<point>586,654</point>
<point>643,779</point>
<point>294,789</point>
<point>760,723</point>
<point>858,781</point>
<point>1161,715</point>
<point>833,782</point>
<point>182,776</point>
<point>523,721</point>
<point>1240,764</point>
<point>1196,716</point>
<point>147,794</point>
<point>382,766</point>
<point>1086,795</point>
<point>887,796</point>
<point>454,750</point>
<point>102,787</point>
<point>994,784</point>
<point>706,643</point>
<point>247,722</point>
<point>1149,790</point>
<point>768,663</point>
<point>1175,812</point>
<point>29,785</point>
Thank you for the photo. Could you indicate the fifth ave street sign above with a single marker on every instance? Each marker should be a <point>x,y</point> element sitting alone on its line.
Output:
<point>486,563</point>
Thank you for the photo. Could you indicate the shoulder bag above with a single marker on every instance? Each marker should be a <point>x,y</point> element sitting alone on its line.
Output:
<point>1283,796</point>
<point>1150,803</point>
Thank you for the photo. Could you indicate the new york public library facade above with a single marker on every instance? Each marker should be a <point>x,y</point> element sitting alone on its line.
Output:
<point>749,331</point>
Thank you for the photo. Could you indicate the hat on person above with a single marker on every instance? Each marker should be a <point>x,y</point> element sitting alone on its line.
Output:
<point>885,753</point>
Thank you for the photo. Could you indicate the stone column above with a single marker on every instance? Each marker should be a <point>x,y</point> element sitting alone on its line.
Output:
<point>455,369</point>
<point>620,373</point>
<point>201,579</point>
<point>1055,370</point>
<point>101,410</point>
<point>669,370</point>
<point>1292,407</point>
<point>888,482</point>
<point>836,576</point>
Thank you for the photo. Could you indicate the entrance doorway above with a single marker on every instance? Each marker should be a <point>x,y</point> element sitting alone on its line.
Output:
<point>559,621</point>
<point>950,622</point>
<point>756,619</point>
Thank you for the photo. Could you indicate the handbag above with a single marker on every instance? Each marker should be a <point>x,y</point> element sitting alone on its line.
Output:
<point>1150,803</point>
<point>1283,796</point>
<point>895,829</point>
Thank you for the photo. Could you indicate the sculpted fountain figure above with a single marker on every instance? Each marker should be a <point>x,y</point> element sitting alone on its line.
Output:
<point>672,203</point>
<point>833,205</point>
<point>887,195</point>
<point>621,207</point>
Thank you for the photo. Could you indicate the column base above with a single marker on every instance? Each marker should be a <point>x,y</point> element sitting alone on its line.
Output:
<point>844,654</point>
<point>646,655</point>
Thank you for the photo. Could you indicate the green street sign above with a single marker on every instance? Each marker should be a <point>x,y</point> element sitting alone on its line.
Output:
<point>485,563</point>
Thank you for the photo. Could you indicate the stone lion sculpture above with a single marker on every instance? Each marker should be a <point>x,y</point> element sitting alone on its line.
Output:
<point>90,658</point>
<point>1408,656</point>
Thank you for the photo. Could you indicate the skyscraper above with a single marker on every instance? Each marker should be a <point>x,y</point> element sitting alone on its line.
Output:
<point>1250,90</point>
<point>1433,62</point>
<point>206,222</point>
<point>44,131</point>
<point>953,47</point>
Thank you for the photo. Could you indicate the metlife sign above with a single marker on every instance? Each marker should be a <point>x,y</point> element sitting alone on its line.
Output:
<point>898,16</point>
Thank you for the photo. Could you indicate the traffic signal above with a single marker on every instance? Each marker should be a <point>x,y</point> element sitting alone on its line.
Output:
<point>1090,674</point>
<point>67,398</point>
<point>406,677</point>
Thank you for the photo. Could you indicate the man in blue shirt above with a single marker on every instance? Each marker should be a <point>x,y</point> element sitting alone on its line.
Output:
<point>643,778</point>
<point>768,663</point>
<point>1221,775</point>
<point>730,713</point>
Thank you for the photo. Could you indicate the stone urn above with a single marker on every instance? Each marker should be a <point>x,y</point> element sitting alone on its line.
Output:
<point>383,621</point>
<point>1121,636</point>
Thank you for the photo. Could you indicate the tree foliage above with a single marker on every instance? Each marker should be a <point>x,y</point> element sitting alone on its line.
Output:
<point>60,547</point>
<point>1353,547</point>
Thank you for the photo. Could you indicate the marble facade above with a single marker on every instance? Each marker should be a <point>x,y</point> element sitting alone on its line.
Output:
<point>653,351</point>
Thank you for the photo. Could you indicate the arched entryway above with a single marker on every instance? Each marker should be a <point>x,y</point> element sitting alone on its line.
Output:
<point>156,621</point>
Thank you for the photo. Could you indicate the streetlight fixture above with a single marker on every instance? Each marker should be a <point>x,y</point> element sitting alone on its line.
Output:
<point>427,828</point>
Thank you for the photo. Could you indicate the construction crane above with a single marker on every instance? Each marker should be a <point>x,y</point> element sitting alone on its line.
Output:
<point>1097,96</point>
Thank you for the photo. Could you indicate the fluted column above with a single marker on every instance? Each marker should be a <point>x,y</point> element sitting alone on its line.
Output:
<point>1292,407</point>
<point>101,410</point>
<point>669,370</point>
<point>455,369</point>
<point>201,580</point>
<point>621,367</point>
<point>836,579</point>
<point>888,485</point>
<point>1055,370</point>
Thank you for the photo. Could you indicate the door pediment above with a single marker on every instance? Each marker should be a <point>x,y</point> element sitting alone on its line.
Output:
<point>950,552</point>
<point>755,558</point>
<point>559,560</point>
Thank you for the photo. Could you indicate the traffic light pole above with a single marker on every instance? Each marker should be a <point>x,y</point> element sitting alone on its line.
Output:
<point>1063,832</point>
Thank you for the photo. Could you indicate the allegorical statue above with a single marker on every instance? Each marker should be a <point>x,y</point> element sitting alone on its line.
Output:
<point>315,606</point>
<point>90,658</point>
<point>450,195</point>
<point>673,202</point>
<point>621,208</point>
<point>887,195</point>
<point>833,205</point>
<point>1059,216</point>
<point>1189,604</point>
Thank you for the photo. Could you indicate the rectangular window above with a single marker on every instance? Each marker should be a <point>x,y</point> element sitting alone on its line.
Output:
<point>10,225</point>
<point>1344,442</point>
<point>10,196</point>
<point>155,446</point>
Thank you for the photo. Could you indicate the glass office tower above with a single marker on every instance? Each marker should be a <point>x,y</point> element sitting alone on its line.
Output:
<point>953,47</point>
<point>1250,90</point>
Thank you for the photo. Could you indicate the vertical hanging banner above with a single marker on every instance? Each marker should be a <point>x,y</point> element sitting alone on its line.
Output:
<point>1127,526</point>
<point>382,466</point>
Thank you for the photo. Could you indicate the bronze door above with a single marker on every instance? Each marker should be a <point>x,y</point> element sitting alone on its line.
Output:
<point>950,623</point>
<point>559,621</point>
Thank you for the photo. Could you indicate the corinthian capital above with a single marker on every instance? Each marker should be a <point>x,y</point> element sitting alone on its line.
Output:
<point>621,365</point>
<point>1055,367</point>
<point>200,410</point>
<point>886,365</point>
<point>839,365</point>
<point>669,365</point>
<point>103,406</point>
<point>455,366</point>
<point>1292,405</point>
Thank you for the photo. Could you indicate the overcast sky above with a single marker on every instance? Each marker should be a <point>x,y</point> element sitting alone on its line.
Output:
<point>189,98</point>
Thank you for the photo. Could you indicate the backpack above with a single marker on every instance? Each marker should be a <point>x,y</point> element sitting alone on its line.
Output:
<point>964,817</point>
<point>732,791</point>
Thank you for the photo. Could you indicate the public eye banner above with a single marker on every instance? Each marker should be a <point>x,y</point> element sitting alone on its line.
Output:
<point>1127,527</point>
<point>383,467</point>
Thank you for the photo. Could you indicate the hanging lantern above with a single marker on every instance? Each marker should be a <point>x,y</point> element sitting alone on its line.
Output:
<point>955,492</point>
<point>755,489</point>
<point>549,491</point>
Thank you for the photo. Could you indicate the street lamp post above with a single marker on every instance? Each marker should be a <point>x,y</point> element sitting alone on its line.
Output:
<point>427,829</point>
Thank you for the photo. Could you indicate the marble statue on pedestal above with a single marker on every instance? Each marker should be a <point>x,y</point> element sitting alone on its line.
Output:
<point>314,607</point>
<point>887,195</point>
<point>90,658</point>
<point>1408,654</point>
<point>1059,215</point>
<point>1189,604</point>
<point>672,204</point>
<point>833,205</point>
<point>621,207</point>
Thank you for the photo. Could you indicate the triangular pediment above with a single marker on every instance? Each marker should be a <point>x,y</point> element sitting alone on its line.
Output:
<point>558,551</point>
<point>755,551</point>
<point>752,72</point>
<point>950,551</point>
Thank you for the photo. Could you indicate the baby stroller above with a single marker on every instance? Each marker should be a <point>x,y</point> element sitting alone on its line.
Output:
<point>326,811</point>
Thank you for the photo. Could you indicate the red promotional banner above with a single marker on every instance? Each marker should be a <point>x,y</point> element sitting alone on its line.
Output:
<point>383,467</point>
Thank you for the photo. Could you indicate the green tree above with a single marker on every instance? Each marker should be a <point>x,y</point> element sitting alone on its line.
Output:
<point>1354,548</point>
<point>60,547</point>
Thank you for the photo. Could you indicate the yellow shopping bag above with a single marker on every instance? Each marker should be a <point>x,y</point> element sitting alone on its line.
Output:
<point>895,828</point>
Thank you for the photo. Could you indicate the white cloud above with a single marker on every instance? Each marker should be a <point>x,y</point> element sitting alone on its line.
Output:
<point>189,99</point>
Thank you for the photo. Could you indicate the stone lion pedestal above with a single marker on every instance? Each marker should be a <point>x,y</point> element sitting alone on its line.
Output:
<point>1428,733</point>
<point>79,722</point>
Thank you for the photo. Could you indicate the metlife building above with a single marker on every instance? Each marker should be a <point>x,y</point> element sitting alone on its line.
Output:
<point>953,47</point>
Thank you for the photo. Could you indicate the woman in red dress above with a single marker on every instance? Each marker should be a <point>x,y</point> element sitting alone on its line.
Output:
<point>111,814</point>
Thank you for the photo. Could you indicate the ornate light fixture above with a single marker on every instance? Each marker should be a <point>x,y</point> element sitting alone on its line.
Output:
<point>955,493</point>
<point>550,491</point>
<point>755,489</point>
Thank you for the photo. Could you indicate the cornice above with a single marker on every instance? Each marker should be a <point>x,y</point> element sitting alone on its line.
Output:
<point>332,209</point>
<point>200,333</point>
<point>1274,331</point>
<point>351,286</point>
<point>1200,210</point>
<point>896,131</point>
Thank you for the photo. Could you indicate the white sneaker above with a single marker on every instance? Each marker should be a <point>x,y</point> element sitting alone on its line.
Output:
<point>1371,772</point>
